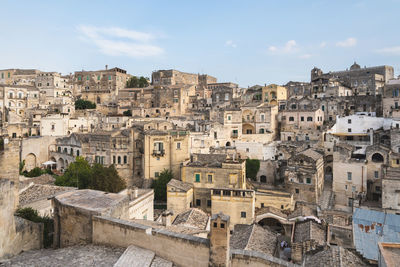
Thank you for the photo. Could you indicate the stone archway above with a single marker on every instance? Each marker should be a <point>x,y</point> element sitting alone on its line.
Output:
<point>60,164</point>
<point>273,224</point>
<point>54,166</point>
<point>30,161</point>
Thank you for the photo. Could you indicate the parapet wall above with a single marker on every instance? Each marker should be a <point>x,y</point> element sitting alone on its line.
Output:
<point>183,250</point>
<point>244,258</point>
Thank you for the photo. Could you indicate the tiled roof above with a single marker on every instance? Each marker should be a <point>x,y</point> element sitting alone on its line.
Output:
<point>180,185</point>
<point>253,237</point>
<point>309,230</point>
<point>311,153</point>
<point>335,257</point>
<point>192,218</point>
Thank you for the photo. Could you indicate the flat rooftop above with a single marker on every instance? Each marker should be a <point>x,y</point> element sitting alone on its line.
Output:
<point>88,199</point>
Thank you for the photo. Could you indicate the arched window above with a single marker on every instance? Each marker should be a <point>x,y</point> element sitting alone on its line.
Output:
<point>65,150</point>
<point>77,153</point>
<point>113,159</point>
<point>72,151</point>
<point>125,159</point>
<point>119,160</point>
<point>377,157</point>
<point>59,149</point>
<point>261,131</point>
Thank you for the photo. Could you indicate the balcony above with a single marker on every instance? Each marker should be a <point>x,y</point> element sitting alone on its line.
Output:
<point>158,153</point>
<point>234,135</point>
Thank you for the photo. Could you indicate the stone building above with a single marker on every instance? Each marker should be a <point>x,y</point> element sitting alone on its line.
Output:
<point>74,212</point>
<point>301,125</point>
<point>363,81</point>
<point>275,95</point>
<point>114,147</point>
<point>239,204</point>
<point>304,176</point>
<point>100,86</point>
<point>391,99</point>
<point>349,175</point>
<point>208,171</point>
<point>179,196</point>
<point>391,189</point>
<point>173,77</point>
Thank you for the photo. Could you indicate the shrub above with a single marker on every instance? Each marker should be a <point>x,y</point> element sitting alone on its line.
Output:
<point>33,216</point>
<point>252,168</point>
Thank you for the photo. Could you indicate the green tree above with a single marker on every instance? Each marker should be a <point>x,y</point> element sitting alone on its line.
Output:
<point>143,82</point>
<point>252,168</point>
<point>80,174</point>
<point>84,104</point>
<point>135,82</point>
<point>127,112</point>
<point>160,185</point>
<point>106,179</point>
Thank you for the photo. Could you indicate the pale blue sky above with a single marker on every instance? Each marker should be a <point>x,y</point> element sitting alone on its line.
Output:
<point>248,42</point>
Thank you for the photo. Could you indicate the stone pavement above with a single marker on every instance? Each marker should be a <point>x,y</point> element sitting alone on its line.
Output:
<point>89,255</point>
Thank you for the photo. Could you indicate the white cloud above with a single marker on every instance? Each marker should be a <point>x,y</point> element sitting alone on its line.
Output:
<point>394,50</point>
<point>116,41</point>
<point>347,43</point>
<point>289,47</point>
<point>305,56</point>
<point>323,44</point>
<point>230,43</point>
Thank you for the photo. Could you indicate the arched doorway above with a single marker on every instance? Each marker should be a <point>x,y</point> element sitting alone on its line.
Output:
<point>263,179</point>
<point>272,224</point>
<point>30,161</point>
<point>228,144</point>
<point>377,157</point>
<point>60,164</point>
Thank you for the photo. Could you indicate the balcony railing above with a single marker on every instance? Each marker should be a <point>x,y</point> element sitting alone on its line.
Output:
<point>158,152</point>
<point>234,135</point>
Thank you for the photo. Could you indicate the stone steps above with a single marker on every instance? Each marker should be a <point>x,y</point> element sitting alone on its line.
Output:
<point>135,256</point>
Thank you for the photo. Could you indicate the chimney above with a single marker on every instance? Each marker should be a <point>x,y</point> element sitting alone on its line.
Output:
<point>166,218</point>
<point>219,239</point>
<point>133,193</point>
<point>106,67</point>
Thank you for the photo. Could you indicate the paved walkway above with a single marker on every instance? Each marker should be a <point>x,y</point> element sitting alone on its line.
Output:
<point>71,256</point>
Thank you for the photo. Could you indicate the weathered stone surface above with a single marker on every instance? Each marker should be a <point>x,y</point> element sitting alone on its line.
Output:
<point>134,256</point>
<point>71,256</point>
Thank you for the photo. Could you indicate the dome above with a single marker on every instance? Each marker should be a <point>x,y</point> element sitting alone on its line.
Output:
<point>355,66</point>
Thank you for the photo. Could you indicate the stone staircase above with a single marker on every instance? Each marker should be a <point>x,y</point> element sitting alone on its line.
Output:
<point>326,201</point>
<point>139,257</point>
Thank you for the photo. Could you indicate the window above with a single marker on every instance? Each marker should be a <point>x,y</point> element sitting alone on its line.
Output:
<point>232,178</point>
<point>113,159</point>
<point>323,108</point>
<point>125,159</point>
<point>87,77</point>
<point>349,130</point>
<point>291,118</point>
<point>349,121</point>
<point>345,187</point>
<point>377,188</point>
<point>197,177</point>
<point>178,145</point>
<point>59,149</point>
<point>262,117</point>
<point>297,190</point>
<point>376,174</point>
<point>208,202</point>
<point>176,100</point>
<point>243,214</point>
<point>302,118</point>
<point>109,77</point>
<point>119,159</point>
<point>308,180</point>
<point>229,117</point>
<point>198,202</point>
<point>262,205</point>
<point>209,178</point>
<point>353,189</point>
<point>222,225</point>
<point>215,225</point>
<point>156,174</point>
<point>79,78</point>
<point>158,147</point>
<point>261,131</point>
<point>309,118</point>
<point>226,96</point>
<point>98,77</point>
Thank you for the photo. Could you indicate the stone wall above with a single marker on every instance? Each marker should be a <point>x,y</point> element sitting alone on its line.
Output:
<point>244,258</point>
<point>16,234</point>
<point>183,250</point>
<point>340,236</point>
<point>9,160</point>
<point>35,150</point>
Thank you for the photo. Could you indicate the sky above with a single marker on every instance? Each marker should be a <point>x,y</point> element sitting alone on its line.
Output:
<point>246,42</point>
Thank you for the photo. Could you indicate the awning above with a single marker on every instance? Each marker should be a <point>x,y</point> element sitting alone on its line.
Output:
<point>49,163</point>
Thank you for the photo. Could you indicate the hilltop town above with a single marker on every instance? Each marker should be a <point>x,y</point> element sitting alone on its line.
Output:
<point>104,168</point>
